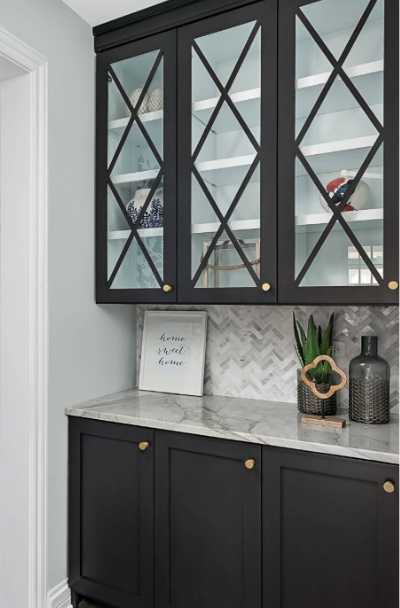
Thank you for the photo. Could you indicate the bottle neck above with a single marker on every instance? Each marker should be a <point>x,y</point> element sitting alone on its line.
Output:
<point>369,346</point>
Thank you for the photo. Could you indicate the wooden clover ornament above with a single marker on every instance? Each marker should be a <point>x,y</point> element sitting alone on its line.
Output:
<point>334,387</point>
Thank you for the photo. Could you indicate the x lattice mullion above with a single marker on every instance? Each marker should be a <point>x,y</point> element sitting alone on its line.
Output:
<point>230,82</point>
<point>225,226</point>
<point>135,112</point>
<point>337,213</point>
<point>316,250</point>
<point>337,66</point>
<point>134,232</point>
<point>148,258</point>
<point>227,98</point>
<point>121,144</point>
<point>145,86</point>
<point>149,140</point>
<point>316,107</point>
<point>120,260</point>
<point>242,254</point>
<point>224,219</point>
<point>130,122</point>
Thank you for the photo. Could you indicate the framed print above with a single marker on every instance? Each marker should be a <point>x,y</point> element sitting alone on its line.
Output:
<point>173,352</point>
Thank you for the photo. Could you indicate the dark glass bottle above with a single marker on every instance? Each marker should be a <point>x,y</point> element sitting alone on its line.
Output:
<point>369,382</point>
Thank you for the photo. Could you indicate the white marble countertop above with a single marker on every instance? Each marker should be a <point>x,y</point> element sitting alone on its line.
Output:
<point>249,420</point>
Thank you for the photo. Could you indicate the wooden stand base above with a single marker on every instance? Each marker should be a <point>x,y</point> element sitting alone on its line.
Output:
<point>329,421</point>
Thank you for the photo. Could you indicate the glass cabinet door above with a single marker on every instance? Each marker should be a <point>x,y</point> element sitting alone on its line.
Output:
<point>337,152</point>
<point>137,259</point>
<point>226,157</point>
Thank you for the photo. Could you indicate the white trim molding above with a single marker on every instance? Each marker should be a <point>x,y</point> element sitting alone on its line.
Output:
<point>18,52</point>
<point>35,65</point>
<point>59,596</point>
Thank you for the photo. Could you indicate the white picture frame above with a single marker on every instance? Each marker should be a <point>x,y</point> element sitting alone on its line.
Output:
<point>173,352</point>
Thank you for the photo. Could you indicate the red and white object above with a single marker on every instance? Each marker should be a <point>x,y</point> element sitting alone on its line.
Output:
<point>337,189</point>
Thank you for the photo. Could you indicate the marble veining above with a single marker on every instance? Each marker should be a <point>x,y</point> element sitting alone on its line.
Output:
<point>255,421</point>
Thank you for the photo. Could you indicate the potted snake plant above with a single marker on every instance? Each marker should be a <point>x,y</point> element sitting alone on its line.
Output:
<point>309,343</point>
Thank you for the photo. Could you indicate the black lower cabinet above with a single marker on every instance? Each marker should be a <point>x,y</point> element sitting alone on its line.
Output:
<point>330,532</point>
<point>168,520</point>
<point>111,514</point>
<point>208,523</point>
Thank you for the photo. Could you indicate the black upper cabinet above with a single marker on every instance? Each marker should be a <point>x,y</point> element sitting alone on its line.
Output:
<point>227,159</point>
<point>111,513</point>
<point>136,172</point>
<point>338,157</point>
<point>229,172</point>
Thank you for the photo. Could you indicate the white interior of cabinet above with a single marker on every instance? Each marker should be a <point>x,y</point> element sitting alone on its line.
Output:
<point>135,169</point>
<point>226,156</point>
<point>339,139</point>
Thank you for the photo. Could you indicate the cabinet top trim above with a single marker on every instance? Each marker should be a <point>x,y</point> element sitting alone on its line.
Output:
<point>160,17</point>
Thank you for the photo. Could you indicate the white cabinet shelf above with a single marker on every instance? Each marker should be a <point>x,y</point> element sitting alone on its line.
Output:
<point>332,156</point>
<point>224,170</point>
<point>131,178</point>
<point>122,235</point>
<point>371,69</point>
<point>356,143</point>
<point>363,69</point>
<point>121,123</point>
<point>318,219</point>
<point>239,97</point>
<point>307,222</point>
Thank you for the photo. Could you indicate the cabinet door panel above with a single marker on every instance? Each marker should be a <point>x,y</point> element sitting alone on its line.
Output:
<point>330,532</point>
<point>227,164</point>
<point>338,170</point>
<point>111,505</point>
<point>136,188</point>
<point>208,524</point>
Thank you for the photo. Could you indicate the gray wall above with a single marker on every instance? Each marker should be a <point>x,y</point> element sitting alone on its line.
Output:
<point>92,348</point>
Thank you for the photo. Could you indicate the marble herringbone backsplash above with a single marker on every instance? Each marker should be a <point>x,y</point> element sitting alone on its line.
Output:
<point>250,350</point>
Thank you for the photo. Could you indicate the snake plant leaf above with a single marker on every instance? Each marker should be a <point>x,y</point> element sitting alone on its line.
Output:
<point>302,333</point>
<point>311,349</point>
<point>326,339</point>
<point>299,344</point>
<point>299,356</point>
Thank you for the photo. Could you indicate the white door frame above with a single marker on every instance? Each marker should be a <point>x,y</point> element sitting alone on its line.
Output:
<point>35,65</point>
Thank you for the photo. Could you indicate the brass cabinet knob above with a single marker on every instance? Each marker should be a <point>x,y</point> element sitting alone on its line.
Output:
<point>167,288</point>
<point>389,487</point>
<point>143,446</point>
<point>393,285</point>
<point>249,464</point>
<point>266,286</point>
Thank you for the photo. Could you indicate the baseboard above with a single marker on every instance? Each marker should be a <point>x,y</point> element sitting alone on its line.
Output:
<point>59,596</point>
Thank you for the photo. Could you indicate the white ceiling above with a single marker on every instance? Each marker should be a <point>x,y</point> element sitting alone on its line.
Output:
<point>99,11</point>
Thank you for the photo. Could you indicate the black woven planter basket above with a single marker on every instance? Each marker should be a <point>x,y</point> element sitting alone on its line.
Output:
<point>369,401</point>
<point>308,403</point>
